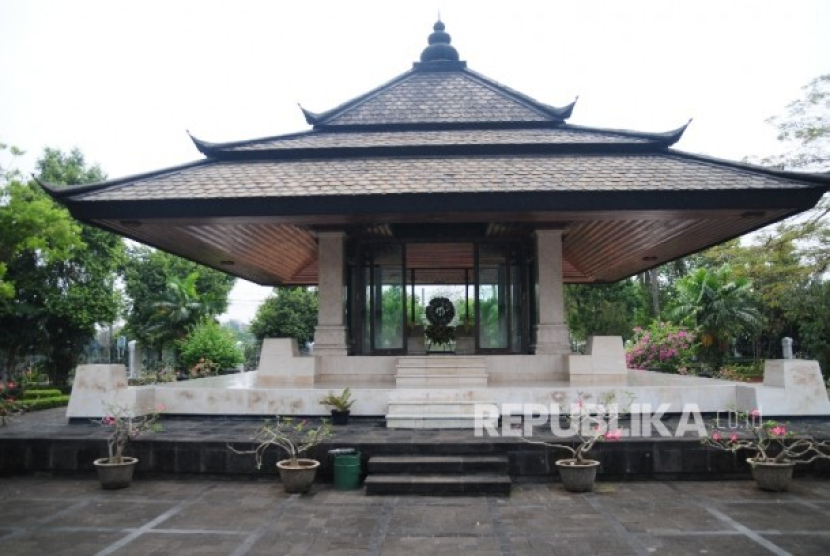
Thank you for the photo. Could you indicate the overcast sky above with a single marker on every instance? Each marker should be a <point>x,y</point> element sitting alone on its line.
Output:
<point>123,81</point>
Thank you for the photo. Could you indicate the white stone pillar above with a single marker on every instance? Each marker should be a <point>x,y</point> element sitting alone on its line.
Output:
<point>134,359</point>
<point>330,334</point>
<point>552,336</point>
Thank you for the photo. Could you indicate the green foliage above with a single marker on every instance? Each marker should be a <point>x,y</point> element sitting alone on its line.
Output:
<point>719,306</point>
<point>604,309</point>
<point>664,347</point>
<point>30,222</point>
<point>209,342</point>
<point>37,404</point>
<point>63,273</point>
<point>811,312</point>
<point>742,372</point>
<point>805,128</point>
<point>168,294</point>
<point>33,393</point>
<point>778,275</point>
<point>338,402</point>
<point>289,312</point>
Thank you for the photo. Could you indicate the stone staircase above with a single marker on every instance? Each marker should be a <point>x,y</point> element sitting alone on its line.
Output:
<point>437,392</point>
<point>432,475</point>
<point>437,371</point>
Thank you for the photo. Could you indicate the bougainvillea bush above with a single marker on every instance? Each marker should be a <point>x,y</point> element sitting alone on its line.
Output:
<point>663,347</point>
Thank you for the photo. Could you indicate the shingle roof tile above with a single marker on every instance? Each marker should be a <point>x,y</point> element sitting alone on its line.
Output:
<point>425,97</point>
<point>323,140</point>
<point>381,175</point>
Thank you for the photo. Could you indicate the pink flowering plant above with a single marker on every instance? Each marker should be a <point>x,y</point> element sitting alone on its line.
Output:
<point>770,441</point>
<point>591,422</point>
<point>9,405</point>
<point>126,427</point>
<point>295,437</point>
<point>663,347</point>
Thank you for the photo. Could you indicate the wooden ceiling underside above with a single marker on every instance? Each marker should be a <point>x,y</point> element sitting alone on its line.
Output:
<point>594,249</point>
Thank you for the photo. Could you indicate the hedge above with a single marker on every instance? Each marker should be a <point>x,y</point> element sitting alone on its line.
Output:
<point>45,403</point>
<point>40,393</point>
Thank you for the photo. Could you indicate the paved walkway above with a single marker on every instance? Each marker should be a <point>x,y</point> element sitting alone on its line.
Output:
<point>63,516</point>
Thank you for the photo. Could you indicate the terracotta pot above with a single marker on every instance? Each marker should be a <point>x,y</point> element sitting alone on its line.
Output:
<point>772,476</point>
<point>578,478</point>
<point>115,475</point>
<point>297,478</point>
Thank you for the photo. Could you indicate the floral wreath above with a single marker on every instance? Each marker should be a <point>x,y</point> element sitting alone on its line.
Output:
<point>440,311</point>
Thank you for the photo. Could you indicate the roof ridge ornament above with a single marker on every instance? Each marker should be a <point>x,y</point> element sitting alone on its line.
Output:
<point>439,48</point>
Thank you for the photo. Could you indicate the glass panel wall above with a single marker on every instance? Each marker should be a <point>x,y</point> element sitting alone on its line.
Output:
<point>492,298</point>
<point>386,294</point>
<point>485,281</point>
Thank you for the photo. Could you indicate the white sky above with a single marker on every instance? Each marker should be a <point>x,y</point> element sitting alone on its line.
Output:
<point>122,81</point>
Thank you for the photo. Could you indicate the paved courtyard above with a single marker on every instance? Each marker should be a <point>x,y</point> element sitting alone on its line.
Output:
<point>73,516</point>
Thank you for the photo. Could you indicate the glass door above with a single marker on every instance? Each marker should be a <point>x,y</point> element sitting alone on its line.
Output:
<point>500,300</point>
<point>385,289</point>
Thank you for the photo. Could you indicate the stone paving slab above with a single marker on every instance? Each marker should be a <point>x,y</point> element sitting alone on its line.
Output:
<point>74,516</point>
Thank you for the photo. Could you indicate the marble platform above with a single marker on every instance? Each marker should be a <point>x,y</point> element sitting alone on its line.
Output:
<point>790,388</point>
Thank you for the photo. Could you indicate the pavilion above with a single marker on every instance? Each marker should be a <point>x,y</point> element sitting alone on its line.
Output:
<point>442,176</point>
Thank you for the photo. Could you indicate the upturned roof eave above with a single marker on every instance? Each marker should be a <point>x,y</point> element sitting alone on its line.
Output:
<point>665,138</point>
<point>231,149</point>
<point>319,118</point>
<point>557,114</point>
<point>64,193</point>
<point>822,180</point>
<point>560,113</point>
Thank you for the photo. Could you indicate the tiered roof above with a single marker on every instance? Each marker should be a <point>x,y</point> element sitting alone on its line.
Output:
<point>442,143</point>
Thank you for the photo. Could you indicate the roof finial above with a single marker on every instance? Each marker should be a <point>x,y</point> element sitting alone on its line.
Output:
<point>439,48</point>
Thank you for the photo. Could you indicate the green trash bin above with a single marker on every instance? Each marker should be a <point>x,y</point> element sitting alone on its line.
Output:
<point>347,470</point>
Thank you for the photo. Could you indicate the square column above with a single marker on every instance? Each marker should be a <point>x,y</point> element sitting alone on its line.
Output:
<point>552,335</point>
<point>330,336</point>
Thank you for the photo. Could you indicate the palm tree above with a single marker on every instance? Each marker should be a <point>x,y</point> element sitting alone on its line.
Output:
<point>179,308</point>
<point>720,306</point>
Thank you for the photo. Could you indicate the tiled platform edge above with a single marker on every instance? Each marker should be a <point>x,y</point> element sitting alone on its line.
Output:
<point>627,460</point>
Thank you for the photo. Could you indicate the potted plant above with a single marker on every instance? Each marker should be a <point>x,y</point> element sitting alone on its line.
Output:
<point>295,438</point>
<point>776,450</point>
<point>341,406</point>
<point>590,424</point>
<point>116,470</point>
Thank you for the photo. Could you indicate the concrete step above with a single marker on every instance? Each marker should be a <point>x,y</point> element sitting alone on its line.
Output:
<point>422,421</point>
<point>442,360</point>
<point>421,380</point>
<point>408,464</point>
<point>432,407</point>
<point>439,485</point>
<point>442,370</point>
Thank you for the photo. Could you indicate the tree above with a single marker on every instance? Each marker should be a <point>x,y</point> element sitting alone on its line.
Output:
<point>168,294</point>
<point>289,312</point>
<point>778,277</point>
<point>811,312</point>
<point>29,222</point>
<point>604,309</point>
<point>805,128</point>
<point>720,306</point>
<point>64,286</point>
<point>179,308</point>
<point>210,345</point>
